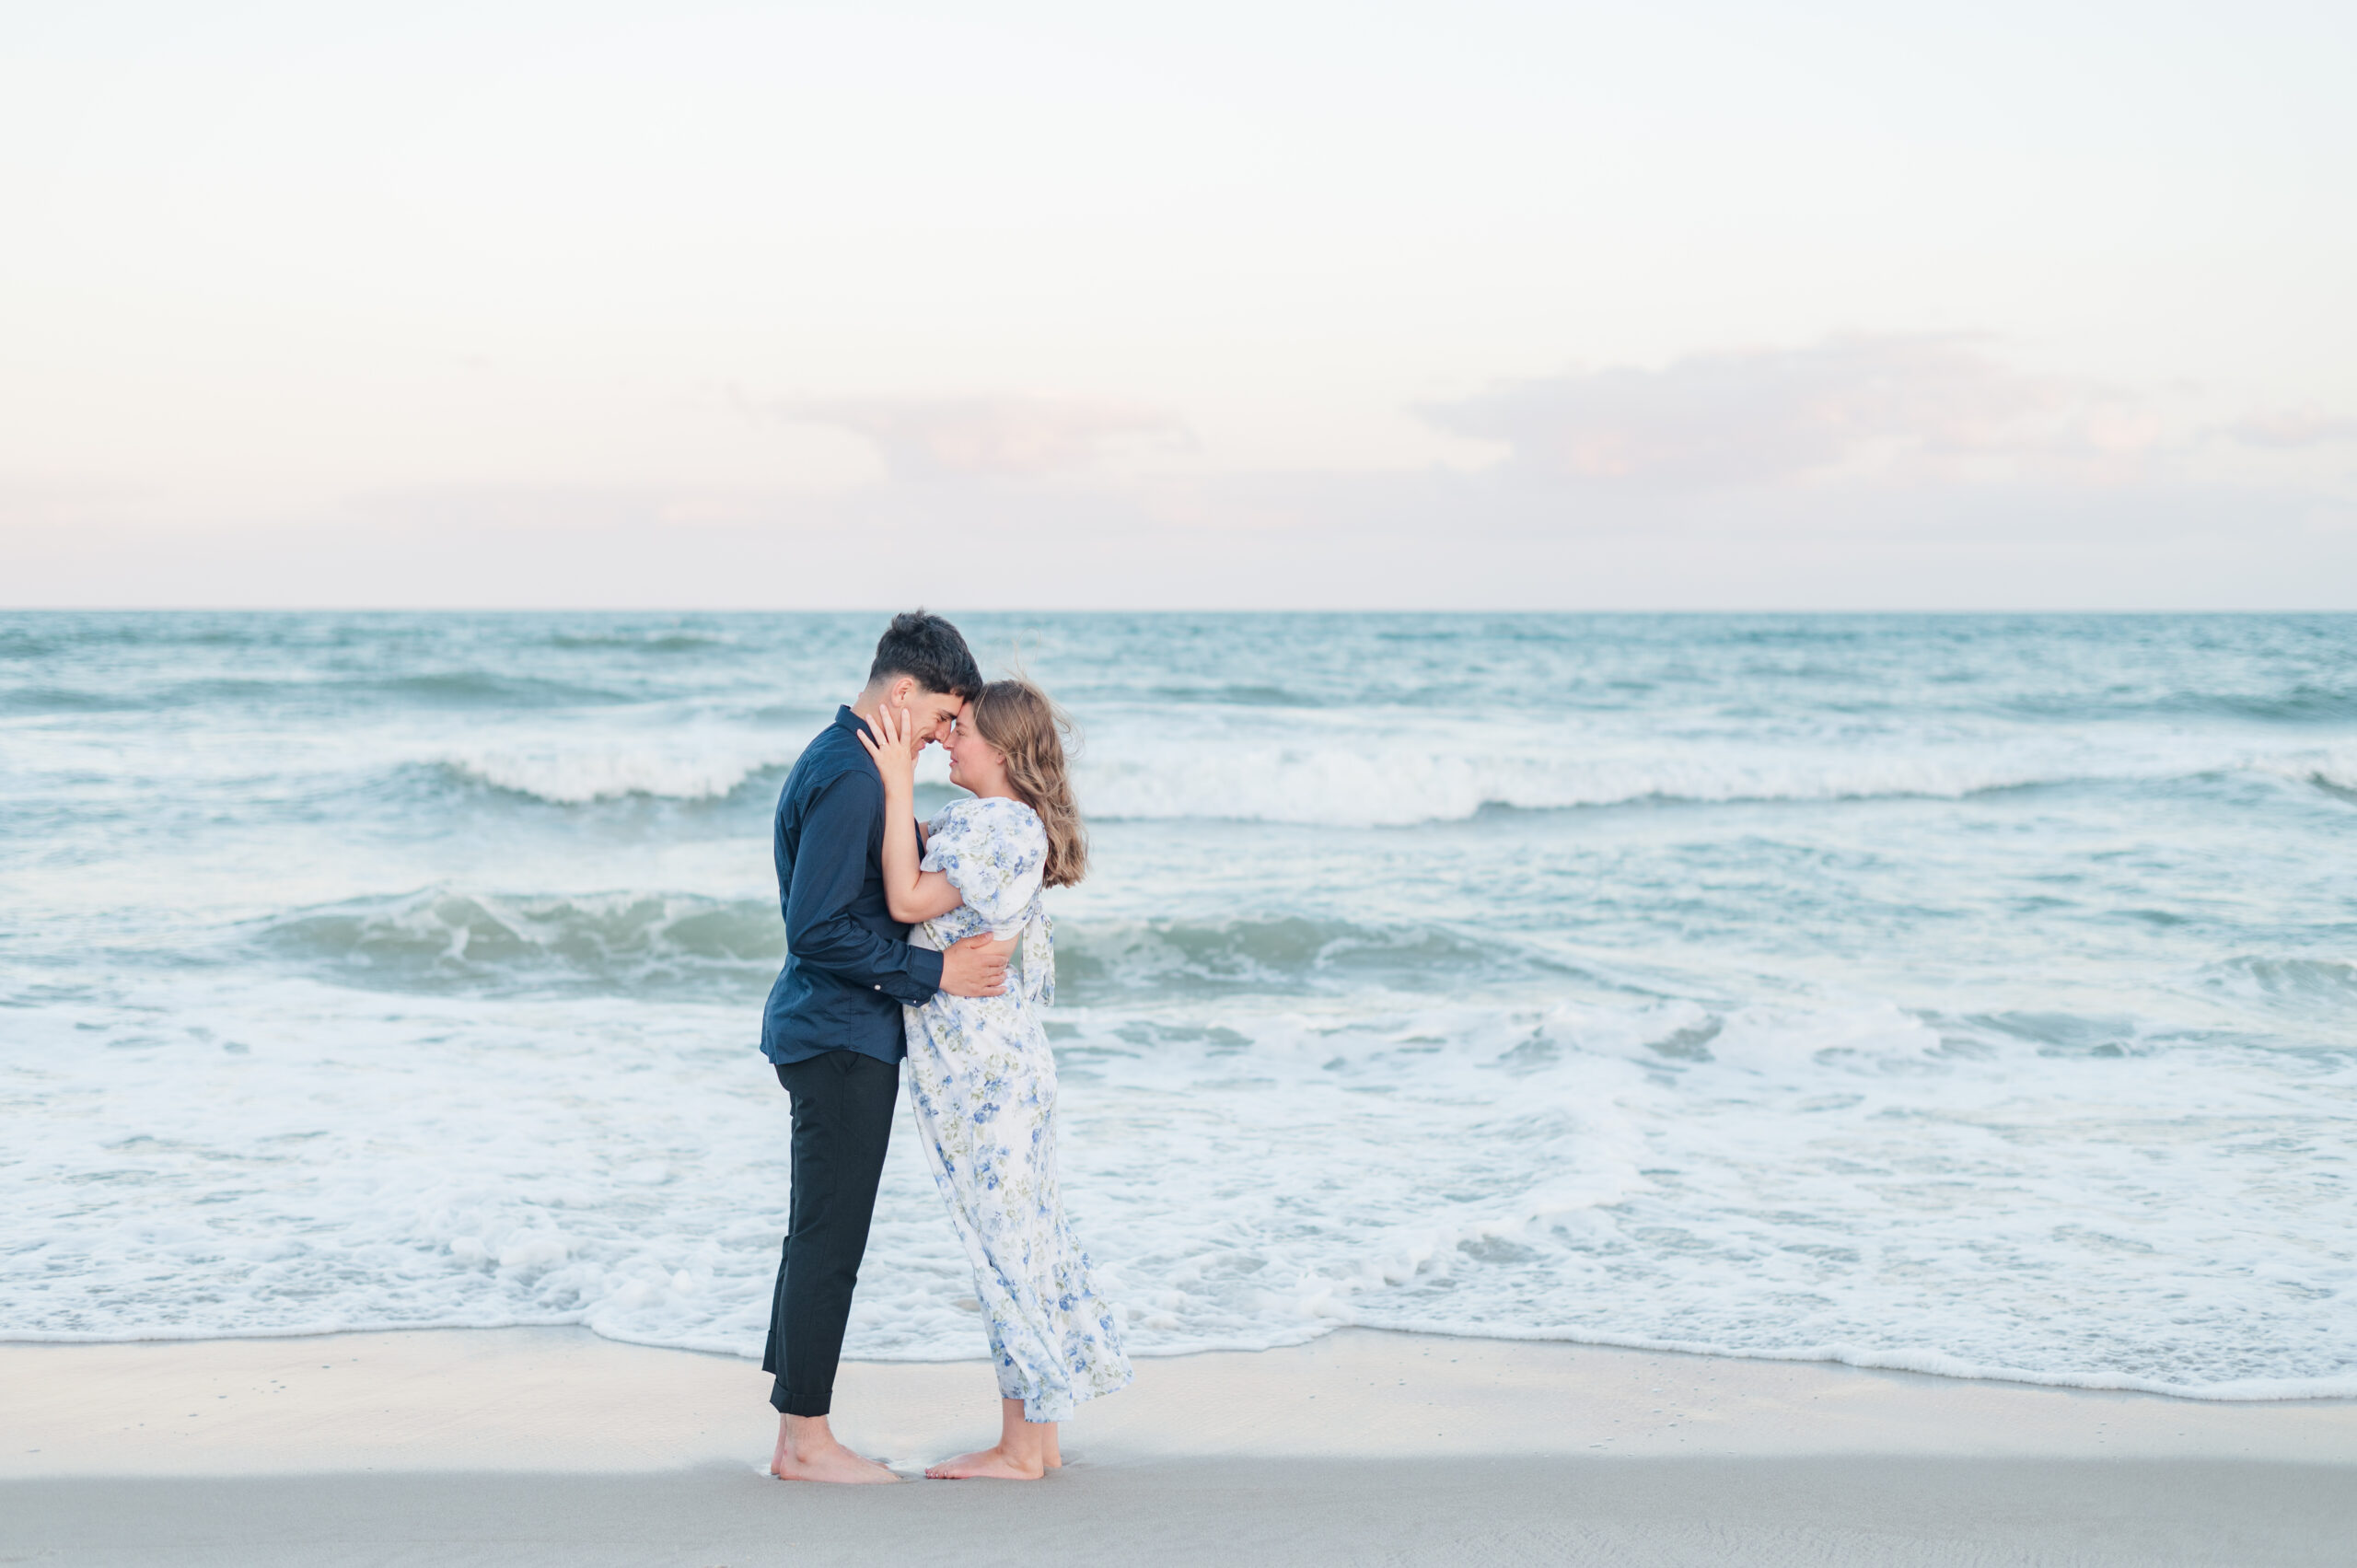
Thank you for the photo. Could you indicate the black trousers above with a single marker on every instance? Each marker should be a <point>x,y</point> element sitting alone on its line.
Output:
<point>843,1121</point>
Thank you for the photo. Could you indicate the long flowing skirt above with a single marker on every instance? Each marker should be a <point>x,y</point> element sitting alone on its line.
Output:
<point>983,1085</point>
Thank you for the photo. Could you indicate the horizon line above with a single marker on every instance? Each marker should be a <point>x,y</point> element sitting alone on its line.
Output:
<point>102,609</point>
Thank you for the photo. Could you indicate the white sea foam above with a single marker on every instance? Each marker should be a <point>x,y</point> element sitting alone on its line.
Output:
<point>1819,1182</point>
<point>577,776</point>
<point>1438,770</point>
<point>2334,767</point>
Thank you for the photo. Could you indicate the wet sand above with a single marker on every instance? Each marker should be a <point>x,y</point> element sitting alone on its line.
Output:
<point>552,1445</point>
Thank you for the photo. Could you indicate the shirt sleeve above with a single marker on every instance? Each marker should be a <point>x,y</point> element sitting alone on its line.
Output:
<point>994,858</point>
<point>829,871</point>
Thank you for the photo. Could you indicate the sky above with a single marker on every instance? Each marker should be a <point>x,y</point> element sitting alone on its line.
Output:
<point>1274,305</point>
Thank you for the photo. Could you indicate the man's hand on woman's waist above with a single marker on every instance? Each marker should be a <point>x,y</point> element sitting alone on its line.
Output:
<point>976,966</point>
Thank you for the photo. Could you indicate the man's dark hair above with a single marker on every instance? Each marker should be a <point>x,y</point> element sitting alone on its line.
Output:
<point>929,649</point>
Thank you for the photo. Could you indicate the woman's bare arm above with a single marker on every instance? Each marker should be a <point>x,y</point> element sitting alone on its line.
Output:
<point>912,895</point>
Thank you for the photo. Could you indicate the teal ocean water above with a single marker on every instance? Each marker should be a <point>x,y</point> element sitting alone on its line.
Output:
<point>1971,994</point>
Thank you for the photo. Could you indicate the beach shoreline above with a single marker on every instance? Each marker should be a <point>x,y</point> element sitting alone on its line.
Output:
<point>533,1445</point>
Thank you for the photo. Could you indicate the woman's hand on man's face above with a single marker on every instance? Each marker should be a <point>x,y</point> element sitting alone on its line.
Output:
<point>894,747</point>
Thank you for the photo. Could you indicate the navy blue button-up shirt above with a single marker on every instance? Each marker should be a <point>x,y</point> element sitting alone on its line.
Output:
<point>849,965</point>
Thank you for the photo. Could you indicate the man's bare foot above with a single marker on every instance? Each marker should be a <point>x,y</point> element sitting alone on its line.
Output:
<point>838,1464</point>
<point>987,1464</point>
<point>807,1450</point>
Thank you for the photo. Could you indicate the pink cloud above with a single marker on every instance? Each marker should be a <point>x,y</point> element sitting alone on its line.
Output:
<point>1764,415</point>
<point>994,436</point>
<point>2290,429</point>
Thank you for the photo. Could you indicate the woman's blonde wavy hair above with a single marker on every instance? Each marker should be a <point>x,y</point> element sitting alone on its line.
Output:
<point>1027,729</point>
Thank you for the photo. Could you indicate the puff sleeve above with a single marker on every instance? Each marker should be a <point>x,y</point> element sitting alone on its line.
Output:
<point>994,853</point>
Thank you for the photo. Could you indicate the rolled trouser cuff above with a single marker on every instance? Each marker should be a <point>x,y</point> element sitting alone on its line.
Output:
<point>786,1402</point>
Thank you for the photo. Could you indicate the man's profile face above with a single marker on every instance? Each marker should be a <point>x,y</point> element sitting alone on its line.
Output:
<point>935,713</point>
<point>945,712</point>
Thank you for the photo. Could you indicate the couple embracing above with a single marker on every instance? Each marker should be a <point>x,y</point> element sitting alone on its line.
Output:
<point>929,944</point>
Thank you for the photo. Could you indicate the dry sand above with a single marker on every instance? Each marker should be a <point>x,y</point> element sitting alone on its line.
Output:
<point>554,1446</point>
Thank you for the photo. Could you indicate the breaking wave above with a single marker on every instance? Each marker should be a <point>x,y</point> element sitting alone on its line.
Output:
<point>449,940</point>
<point>468,942</point>
<point>1403,782</point>
<point>582,776</point>
<point>1388,784</point>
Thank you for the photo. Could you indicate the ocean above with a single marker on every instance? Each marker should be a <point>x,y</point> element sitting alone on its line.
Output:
<point>1968,995</point>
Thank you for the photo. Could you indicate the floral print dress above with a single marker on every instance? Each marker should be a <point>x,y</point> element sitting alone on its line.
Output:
<point>982,1084</point>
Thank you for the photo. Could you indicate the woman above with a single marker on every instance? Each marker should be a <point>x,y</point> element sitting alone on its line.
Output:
<point>981,1080</point>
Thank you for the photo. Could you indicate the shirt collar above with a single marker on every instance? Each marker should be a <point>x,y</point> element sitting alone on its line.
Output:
<point>846,719</point>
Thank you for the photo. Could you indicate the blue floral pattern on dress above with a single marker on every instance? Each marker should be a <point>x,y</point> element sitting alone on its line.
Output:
<point>983,1085</point>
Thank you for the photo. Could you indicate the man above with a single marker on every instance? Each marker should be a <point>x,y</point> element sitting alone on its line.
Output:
<point>833,1024</point>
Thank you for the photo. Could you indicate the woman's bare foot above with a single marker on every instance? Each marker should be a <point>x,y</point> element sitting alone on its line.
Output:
<point>807,1450</point>
<point>989,1464</point>
<point>1025,1451</point>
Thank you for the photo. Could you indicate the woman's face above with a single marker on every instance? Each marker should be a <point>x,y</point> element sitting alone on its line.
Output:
<point>974,763</point>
